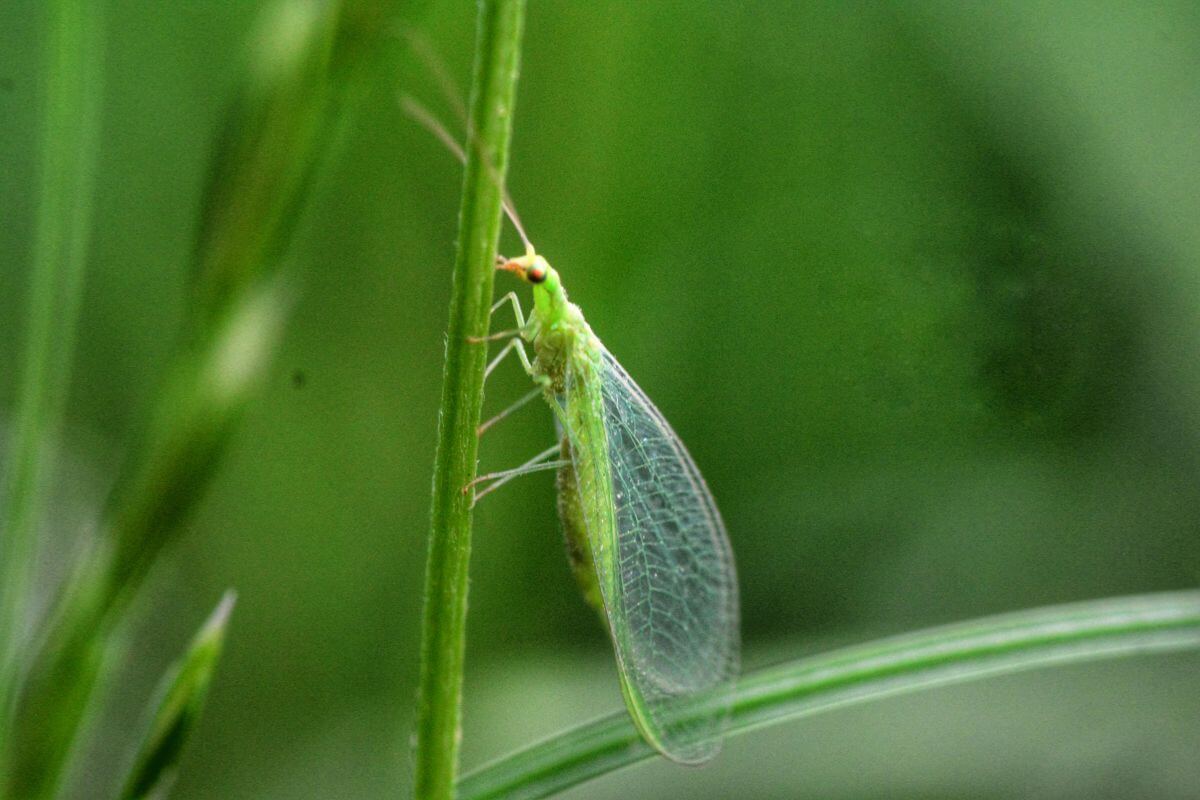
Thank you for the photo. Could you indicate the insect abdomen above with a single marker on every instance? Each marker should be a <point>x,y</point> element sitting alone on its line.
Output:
<point>570,511</point>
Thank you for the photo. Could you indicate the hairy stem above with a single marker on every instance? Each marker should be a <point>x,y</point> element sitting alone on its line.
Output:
<point>497,50</point>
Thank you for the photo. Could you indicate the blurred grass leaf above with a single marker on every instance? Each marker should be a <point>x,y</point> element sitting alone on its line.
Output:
<point>265,154</point>
<point>70,126</point>
<point>268,150</point>
<point>176,708</point>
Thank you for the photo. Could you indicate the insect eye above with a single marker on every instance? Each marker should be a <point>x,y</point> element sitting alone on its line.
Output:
<point>535,274</point>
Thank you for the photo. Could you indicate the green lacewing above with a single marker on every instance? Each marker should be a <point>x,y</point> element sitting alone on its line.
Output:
<point>647,544</point>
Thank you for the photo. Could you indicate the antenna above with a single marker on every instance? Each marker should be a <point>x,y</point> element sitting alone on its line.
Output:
<point>425,51</point>
<point>454,97</point>
<point>430,123</point>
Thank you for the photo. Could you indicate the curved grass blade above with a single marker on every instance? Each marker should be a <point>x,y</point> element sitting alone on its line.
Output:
<point>662,559</point>
<point>176,707</point>
<point>991,646</point>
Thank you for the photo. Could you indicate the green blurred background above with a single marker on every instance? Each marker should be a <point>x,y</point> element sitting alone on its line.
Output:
<point>918,284</point>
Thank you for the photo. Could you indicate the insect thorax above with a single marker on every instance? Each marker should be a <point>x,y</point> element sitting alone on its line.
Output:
<point>559,343</point>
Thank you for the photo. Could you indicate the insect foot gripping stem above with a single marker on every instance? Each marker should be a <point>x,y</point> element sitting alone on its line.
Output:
<point>538,463</point>
<point>493,337</point>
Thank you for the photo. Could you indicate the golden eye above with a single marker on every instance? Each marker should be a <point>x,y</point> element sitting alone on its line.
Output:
<point>535,274</point>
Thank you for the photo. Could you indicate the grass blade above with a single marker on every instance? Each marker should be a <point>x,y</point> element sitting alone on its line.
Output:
<point>938,657</point>
<point>176,708</point>
<point>70,135</point>
<point>271,140</point>
<point>497,50</point>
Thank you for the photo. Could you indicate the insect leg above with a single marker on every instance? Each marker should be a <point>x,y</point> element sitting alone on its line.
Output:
<point>511,297</point>
<point>506,412</point>
<point>504,351</point>
<point>538,463</point>
<point>518,345</point>
<point>541,380</point>
<point>514,343</point>
<point>493,337</point>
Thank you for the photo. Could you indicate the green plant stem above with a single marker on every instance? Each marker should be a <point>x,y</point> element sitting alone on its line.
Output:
<point>937,657</point>
<point>497,50</point>
<point>70,132</point>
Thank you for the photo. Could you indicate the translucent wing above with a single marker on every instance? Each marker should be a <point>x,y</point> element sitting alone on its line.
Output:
<point>662,560</point>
